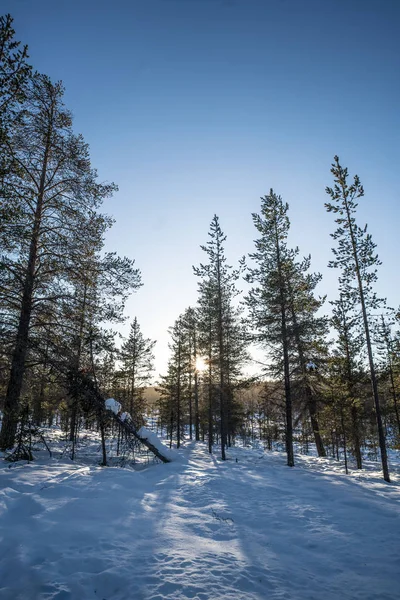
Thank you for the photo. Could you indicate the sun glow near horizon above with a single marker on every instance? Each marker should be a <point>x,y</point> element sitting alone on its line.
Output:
<point>201,364</point>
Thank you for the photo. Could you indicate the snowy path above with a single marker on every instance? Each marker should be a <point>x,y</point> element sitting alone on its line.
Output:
<point>197,528</point>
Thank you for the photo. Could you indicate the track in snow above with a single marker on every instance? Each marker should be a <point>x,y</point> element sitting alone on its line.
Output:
<point>197,528</point>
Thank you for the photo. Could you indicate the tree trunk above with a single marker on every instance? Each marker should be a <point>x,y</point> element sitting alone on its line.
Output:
<point>196,390</point>
<point>344,440</point>
<point>286,369</point>
<point>374,383</point>
<point>356,436</point>
<point>11,402</point>
<point>178,397</point>
<point>196,407</point>
<point>312,409</point>
<point>210,420</point>
<point>221,361</point>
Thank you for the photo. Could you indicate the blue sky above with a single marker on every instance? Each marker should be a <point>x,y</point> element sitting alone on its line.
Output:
<point>196,107</point>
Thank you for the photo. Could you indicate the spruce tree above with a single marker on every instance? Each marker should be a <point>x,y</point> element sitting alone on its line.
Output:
<point>174,388</point>
<point>219,322</point>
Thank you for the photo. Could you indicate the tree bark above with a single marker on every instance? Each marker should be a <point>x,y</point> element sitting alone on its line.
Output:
<point>11,402</point>
<point>286,369</point>
<point>312,409</point>
<point>374,383</point>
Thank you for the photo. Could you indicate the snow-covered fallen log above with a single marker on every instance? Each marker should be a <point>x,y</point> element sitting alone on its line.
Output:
<point>146,437</point>
<point>149,439</point>
<point>154,440</point>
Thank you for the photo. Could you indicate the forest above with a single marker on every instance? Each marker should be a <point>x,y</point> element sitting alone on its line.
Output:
<point>329,379</point>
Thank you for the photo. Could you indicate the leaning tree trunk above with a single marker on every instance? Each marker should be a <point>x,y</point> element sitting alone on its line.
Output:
<point>374,383</point>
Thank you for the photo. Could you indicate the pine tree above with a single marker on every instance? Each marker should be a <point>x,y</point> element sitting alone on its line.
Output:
<point>355,256</point>
<point>54,192</point>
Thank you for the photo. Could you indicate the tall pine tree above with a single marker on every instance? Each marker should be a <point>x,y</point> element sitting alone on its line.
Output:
<point>355,256</point>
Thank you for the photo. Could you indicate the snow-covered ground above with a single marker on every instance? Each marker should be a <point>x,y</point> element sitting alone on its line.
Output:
<point>198,528</point>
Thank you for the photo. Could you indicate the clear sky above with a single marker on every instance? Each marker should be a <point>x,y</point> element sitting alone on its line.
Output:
<point>196,107</point>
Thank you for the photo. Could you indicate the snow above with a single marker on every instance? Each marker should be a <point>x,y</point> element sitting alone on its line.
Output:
<point>150,436</point>
<point>113,405</point>
<point>125,416</point>
<point>311,366</point>
<point>199,528</point>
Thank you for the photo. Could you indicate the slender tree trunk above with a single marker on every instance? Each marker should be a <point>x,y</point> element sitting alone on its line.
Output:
<point>210,392</point>
<point>221,363</point>
<point>374,383</point>
<point>171,426</point>
<point>39,399</point>
<point>178,398</point>
<point>190,390</point>
<point>196,407</point>
<point>344,439</point>
<point>285,348</point>
<point>210,419</point>
<point>312,409</point>
<point>356,435</point>
<point>350,386</point>
<point>103,441</point>
<point>288,403</point>
<point>11,402</point>
<point>74,407</point>
<point>196,390</point>
<point>132,409</point>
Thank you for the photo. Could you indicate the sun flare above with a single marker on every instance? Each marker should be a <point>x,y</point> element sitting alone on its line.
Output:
<point>201,364</point>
